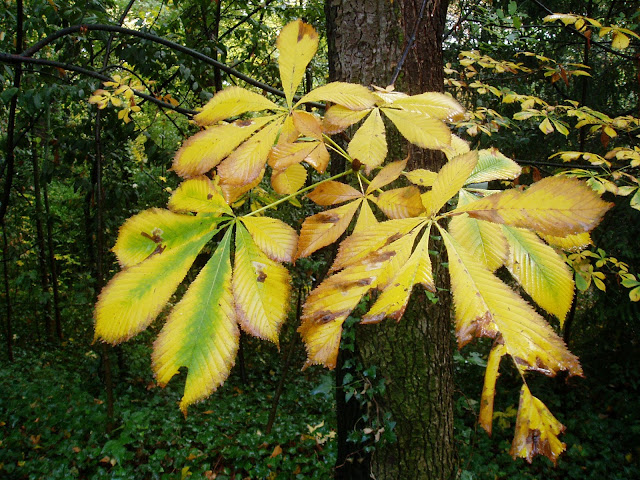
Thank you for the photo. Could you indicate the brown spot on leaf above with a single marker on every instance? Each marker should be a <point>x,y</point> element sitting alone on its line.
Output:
<point>328,217</point>
<point>261,277</point>
<point>393,238</point>
<point>209,196</point>
<point>156,235</point>
<point>244,123</point>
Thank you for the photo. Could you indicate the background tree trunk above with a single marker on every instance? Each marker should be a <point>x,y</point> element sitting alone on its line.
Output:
<point>366,41</point>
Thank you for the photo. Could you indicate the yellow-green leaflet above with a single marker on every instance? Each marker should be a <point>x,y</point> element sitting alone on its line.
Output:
<point>157,230</point>
<point>135,296</point>
<point>260,287</point>
<point>201,332</point>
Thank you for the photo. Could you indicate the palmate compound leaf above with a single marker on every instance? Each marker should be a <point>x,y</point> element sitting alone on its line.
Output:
<point>297,44</point>
<point>260,287</point>
<point>419,129</point>
<point>346,96</point>
<point>485,306</point>
<point>557,206</point>
<point>206,149</point>
<point>201,332</point>
<point>231,102</point>
<point>433,104</point>
<point>400,202</point>
<point>540,270</point>
<point>493,165</point>
<point>338,118</point>
<point>483,240</point>
<point>137,294</point>
<point>289,180</point>
<point>537,430</point>
<point>387,174</point>
<point>333,193</point>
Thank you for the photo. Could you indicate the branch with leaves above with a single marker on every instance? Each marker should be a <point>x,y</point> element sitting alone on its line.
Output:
<point>245,285</point>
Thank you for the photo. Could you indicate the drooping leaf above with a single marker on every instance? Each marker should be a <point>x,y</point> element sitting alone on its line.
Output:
<point>232,193</point>
<point>537,430</point>
<point>433,104</point>
<point>491,374</point>
<point>393,301</point>
<point>401,202</point>
<point>421,130</point>
<point>485,306</point>
<point>493,165</point>
<point>324,228</point>
<point>289,180</point>
<point>348,95</point>
<point>449,181</point>
<point>386,175</point>
<point>155,231</point>
<point>198,195</point>
<point>332,193</point>
<point>483,240</point>
<point>557,206</point>
<point>206,149</point>
<point>274,237</point>
<point>284,155</point>
<point>261,289</point>
<point>201,332</point>
<point>136,295</point>
<point>540,271</point>
<point>245,163</point>
<point>307,124</point>
<point>338,118</point>
<point>231,102</point>
<point>297,44</point>
<point>369,143</point>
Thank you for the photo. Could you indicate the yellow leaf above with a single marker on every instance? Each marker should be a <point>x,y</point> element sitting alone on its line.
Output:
<point>156,231</point>
<point>284,155</point>
<point>245,163</point>
<point>326,309</point>
<point>261,289</point>
<point>274,237</point>
<point>421,177</point>
<point>231,102</point>
<point>231,193</point>
<point>318,158</point>
<point>483,240</point>
<point>457,147</point>
<point>307,124</point>
<point>433,104</point>
<point>297,44</point>
<point>400,202</point>
<point>386,175</point>
<point>366,219</point>
<point>489,389</point>
<point>201,332</point>
<point>204,150</point>
<point>198,195</point>
<point>620,40</point>
<point>450,180</point>
<point>337,118</point>
<point>369,143</point>
<point>570,243</point>
<point>419,129</point>
<point>557,206</point>
<point>393,300</point>
<point>289,180</point>
<point>540,270</point>
<point>537,430</point>
<point>136,295</point>
<point>357,247</point>
<point>485,306</point>
<point>332,193</point>
<point>493,165</point>
<point>325,228</point>
<point>349,95</point>
<point>546,127</point>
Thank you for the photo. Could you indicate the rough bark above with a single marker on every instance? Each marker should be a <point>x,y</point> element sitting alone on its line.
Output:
<point>366,42</point>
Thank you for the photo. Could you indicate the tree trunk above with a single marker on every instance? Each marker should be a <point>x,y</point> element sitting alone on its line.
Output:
<point>366,41</point>
<point>7,291</point>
